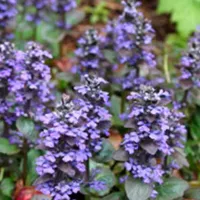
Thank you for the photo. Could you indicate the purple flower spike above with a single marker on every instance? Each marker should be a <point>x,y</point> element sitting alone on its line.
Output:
<point>64,140</point>
<point>130,36</point>
<point>8,11</point>
<point>62,8</point>
<point>92,99</point>
<point>134,35</point>
<point>190,64</point>
<point>25,87</point>
<point>89,53</point>
<point>155,133</point>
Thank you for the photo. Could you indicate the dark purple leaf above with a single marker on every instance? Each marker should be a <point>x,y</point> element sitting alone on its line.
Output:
<point>150,147</point>
<point>66,168</point>
<point>120,155</point>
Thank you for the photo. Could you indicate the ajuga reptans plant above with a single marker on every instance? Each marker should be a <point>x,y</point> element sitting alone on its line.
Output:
<point>155,134</point>
<point>25,84</point>
<point>133,35</point>
<point>8,12</point>
<point>89,53</point>
<point>189,67</point>
<point>73,134</point>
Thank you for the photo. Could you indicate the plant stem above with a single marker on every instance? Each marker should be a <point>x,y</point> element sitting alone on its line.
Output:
<point>25,149</point>
<point>6,130</point>
<point>35,33</point>
<point>185,96</point>
<point>1,173</point>
<point>123,101</point>
<point>166,69</point>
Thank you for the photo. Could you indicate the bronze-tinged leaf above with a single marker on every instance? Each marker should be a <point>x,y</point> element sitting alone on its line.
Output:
<point>120,155</point>
<point>42,179</point>
<point>66,168</point>
<point>149,147</point>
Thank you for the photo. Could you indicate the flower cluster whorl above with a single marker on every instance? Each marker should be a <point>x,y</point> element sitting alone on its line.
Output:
<point>134,34</point>
<point>35,96</point>
<point>92,99</point>
<point>156,132</point>
<point>89,53</point>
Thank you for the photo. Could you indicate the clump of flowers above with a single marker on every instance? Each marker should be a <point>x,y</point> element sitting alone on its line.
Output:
<point>8,12</point>
<point>26,90</point>
<point>7,78</point>
<point>64,141</point>
<point>73,134</point>
<point>156,133</point>
<point>132,34</point>
<point>25,80</point>
<point>190,64</point>
<point>36,10</point>
<point>89,53</point>
<point>61,8</point>
<point>37,90</point>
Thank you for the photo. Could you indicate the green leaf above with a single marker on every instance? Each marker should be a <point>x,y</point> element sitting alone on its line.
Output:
<point>106,153</point>
<point>26,126</point>
<point>104,175</point>
<point>109,179</point>
<point>110,56</point>
<point>1,127</point>
<point>193,193</point>
<point>3,197</point>
<point>31,165</point>
<point>180,9</point>
<point>115,109</point>
<point>94,19</point>
<point>75,17</point>
<point>50,36</point>
<point>180,157</point>
<point>7,148</point>
<point>7,187</point>
<point>136,189</point>
<point>120,155</point>
<point>114,196</point>
<point>165,6</point>
<point>172,188</point>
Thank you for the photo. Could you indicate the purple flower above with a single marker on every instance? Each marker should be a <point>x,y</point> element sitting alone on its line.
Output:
<point>91,98</point>
<point>190,64</point>
<point>155,133</point>
<point>62,8</point>
<point>64,139</point>
<point>133,35</point>
<point>89,53</point>
<point>130,36</point>
<point>26,90</point>
<point>72,134</point>
<point>36,10</point>
<point>8,11</point>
